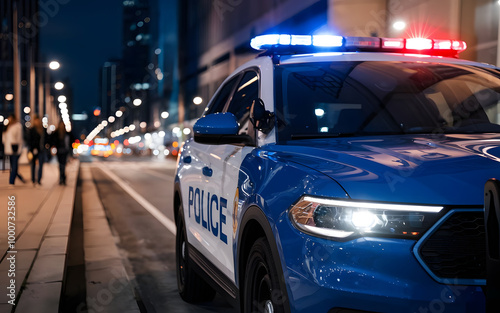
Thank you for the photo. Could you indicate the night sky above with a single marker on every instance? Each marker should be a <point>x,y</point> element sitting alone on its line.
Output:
<point>82,35</point>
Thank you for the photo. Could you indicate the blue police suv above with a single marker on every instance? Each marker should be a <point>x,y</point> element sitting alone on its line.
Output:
<point>341,174</point>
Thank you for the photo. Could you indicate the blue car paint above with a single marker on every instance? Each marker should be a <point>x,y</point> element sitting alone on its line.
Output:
<point>405,169</point>
<point>374,274</point>
<point>272,186</point>
<point>217,124</point>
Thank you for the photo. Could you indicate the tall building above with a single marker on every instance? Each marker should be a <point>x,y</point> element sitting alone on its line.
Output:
<point>475,21</point>
<point>137,69</point>
<point>214,39</point>
<point>165,81</point>
<point>18,16</point>
<point>149,63</point>
<point>111,90</point>
<point>142,83</point>
<point>111,87</point>
<point>214,36</point>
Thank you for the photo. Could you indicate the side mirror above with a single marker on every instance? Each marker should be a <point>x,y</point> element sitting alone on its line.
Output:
<point>218,129</point>
<point>260,118</point>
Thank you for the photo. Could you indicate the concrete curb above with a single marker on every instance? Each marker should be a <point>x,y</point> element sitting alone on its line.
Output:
<point>108,286</point>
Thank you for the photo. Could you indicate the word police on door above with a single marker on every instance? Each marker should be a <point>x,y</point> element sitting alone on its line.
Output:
<point>208,211</point>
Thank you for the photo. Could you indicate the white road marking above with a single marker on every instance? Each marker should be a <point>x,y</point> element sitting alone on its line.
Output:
<point>160,176</point>
<point>165,221</point>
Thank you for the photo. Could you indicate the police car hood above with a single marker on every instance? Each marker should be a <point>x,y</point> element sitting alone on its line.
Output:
<point>426,169</point>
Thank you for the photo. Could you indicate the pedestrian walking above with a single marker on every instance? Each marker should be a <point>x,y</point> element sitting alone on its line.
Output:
<point>62,141</point>
<point>37,140</point>
<point>13,144</point>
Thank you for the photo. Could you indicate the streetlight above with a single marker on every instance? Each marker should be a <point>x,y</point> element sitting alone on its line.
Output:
<point>9,97</point>
<point>197,100</point>
<point>137,102</point>
<point>164,114</point>
<point>43,86</point>
<point>46,105</point>
<point>54,65</point>
<point>59,86</point>
<point>399,25</point>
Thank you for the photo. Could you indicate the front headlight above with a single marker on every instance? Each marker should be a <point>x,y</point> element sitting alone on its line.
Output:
<point>342,219</point>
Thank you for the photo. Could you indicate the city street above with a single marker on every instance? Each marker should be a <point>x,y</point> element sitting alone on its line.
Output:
<point>147,247</point>
<point>328,156</point>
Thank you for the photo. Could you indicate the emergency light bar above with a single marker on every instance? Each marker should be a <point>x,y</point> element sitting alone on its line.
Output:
<point>284,43</point>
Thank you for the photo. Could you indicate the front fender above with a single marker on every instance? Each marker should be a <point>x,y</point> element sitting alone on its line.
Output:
<point>254,223</point>
<point>267,187</point>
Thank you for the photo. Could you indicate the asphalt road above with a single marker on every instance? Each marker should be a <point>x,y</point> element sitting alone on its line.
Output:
<point>147,246</point>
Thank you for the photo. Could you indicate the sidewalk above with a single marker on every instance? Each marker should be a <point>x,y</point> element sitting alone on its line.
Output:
<point>32,270</point>
<point>42,225</point>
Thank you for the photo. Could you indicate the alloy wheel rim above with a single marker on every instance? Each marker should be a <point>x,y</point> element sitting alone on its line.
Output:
<point>182,259</point>
<point>262,290</point>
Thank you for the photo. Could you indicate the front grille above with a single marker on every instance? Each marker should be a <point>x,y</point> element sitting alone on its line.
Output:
<point>456,250</point>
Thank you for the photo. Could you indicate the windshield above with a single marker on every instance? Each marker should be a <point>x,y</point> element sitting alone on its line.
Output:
<point>338,99</point>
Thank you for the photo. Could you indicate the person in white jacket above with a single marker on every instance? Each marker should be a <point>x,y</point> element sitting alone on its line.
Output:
<point>13,144</point>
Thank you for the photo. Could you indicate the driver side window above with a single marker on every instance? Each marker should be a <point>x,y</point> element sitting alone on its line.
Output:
<point>246,92</point>
<point>222,97</point>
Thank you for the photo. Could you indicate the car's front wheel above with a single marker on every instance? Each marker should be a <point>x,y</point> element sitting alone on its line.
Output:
<point>262,291</point>
<point>192,288</point>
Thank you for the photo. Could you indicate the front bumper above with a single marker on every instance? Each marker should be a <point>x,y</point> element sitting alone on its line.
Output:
<point>366,274</point>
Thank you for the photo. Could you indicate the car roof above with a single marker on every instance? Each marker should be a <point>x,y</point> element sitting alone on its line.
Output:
<point>374,56</point>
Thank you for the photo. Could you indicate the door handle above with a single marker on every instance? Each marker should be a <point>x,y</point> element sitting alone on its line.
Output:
<point>207,171</point>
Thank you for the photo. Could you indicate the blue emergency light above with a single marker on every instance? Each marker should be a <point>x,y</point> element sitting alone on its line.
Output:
<point>264,42</point>
<point>283,43</point>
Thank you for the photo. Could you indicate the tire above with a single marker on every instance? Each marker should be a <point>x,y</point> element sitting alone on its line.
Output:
<point>262,291</point>
<point>192,288</point>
